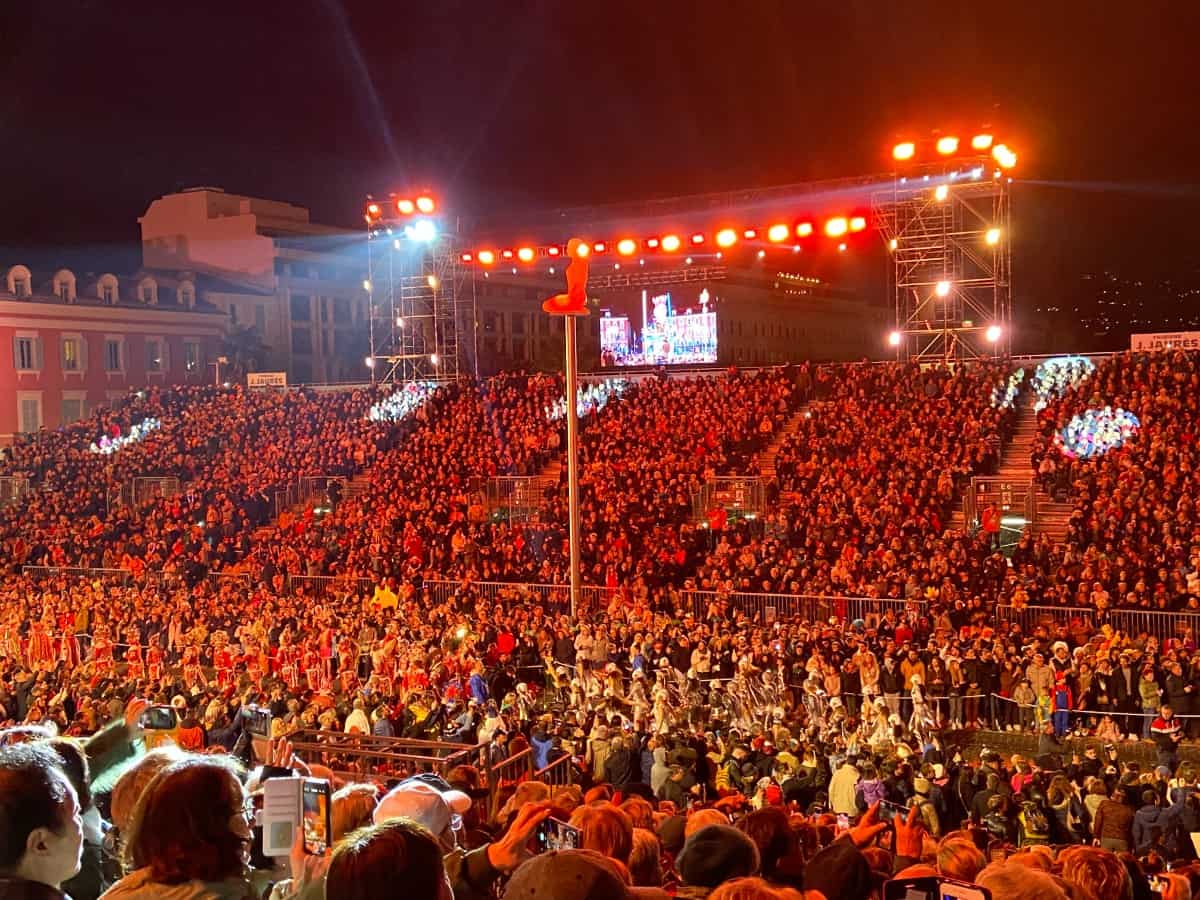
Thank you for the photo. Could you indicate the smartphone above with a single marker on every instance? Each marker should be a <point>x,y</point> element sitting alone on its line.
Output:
<point>555,834</point>
<point>258,721</point>
<point>316,814</point>
<point>843,822</point>
<point>158,718</point>
<point>933,888</point>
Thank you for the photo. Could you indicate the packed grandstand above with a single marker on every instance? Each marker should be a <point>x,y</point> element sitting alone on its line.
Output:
<point>798,690</point>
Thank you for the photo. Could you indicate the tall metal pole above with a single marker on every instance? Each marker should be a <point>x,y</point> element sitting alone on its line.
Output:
<point>572,459</point>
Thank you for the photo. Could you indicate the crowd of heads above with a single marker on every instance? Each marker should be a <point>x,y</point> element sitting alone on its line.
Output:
<point>668,685</point>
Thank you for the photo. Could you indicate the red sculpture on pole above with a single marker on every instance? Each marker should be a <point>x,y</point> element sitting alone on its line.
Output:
<point>574,301</point>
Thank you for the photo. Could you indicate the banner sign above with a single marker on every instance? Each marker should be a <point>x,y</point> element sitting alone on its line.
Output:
<point>266,379</point>
<point>1174,340</point>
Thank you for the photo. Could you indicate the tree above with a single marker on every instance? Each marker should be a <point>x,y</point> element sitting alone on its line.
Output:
<point>245,351</point>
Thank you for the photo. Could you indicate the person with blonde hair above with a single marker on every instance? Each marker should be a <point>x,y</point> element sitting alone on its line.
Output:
<point>1096,871</point>
<point>958,857</point>
<point>1010,880</point>
<point>753,889</point>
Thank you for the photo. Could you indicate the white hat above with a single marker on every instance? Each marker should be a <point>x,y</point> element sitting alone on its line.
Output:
<point>423,799</point>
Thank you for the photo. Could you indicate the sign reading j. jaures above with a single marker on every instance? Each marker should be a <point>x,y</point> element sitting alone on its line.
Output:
<point>266,379</point>
<point>1174,340</point>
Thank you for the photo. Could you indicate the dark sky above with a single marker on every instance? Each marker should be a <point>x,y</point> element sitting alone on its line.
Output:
<point>106,105</point>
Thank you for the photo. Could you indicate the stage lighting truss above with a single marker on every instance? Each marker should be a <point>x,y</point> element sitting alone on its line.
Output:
<point>420,301</point>
<point>950,260</point>
<point>782,231</point>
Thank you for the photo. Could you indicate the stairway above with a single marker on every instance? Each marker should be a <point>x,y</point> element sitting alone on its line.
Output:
<point>1015,465</point>
<point>765,458</point>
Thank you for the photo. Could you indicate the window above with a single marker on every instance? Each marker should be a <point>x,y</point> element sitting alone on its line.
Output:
<point>302,340</point>
<point>147,294</point>
<point>72,354</point>
<point>489,322</point>
<point>113,355</point>
<point>110,296</point>
<point>31,412</point>
<point>260,320</point>
<point>185,297</point>
<point>191,356</point>
<point>518,323</point>
<point>324,309</point>
<point>21,287</point>
<point>72,410</point>
<point>64,291</point>
<point>301,308</point>
<point>341,310</point>
<point>154,355</point>
<point>25,355</point>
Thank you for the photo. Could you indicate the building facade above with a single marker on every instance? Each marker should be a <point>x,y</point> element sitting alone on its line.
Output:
<point>70,343</point>
<point>297,285</point>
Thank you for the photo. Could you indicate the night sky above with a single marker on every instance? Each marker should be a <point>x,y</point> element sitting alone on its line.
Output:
<point>533,104</point>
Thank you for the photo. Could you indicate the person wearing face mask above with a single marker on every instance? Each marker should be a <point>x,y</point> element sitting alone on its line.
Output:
<point>41,825</point>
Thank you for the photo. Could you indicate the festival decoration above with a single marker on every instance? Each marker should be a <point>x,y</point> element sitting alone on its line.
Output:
<point>109,445</point>
<point>1096,431</point>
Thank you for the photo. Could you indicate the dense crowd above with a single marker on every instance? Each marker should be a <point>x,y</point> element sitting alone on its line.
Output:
<point>699,710</point>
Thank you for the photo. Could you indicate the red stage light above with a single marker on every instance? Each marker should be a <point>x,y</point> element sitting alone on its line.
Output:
<point>487,257</point>
<point>425,204</point>
<point>858,223</point>
<point>627,246</point>
<point>697,238</point>
<point>750,234</point>
<point>525,254</point>
<point>506,254</point>
<point>981,142</point>
<point>947,146</point>
<point>777,234</point>
<point>836,226</point>
<point>671,243</point>
<point>651,243</point>
<point>405,207</point>
<point>467,257</point>
<point>373,210</point>
<point>599,247</point>
<point>804,229</point>
<point>578,248</point>
<point>553,250</point>
<point>726,237</point>
<point>904,151</point>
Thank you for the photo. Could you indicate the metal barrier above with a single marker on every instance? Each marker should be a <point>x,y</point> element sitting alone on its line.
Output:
<point>507,773</point>
<point>123,575</point>
<point>137,492</point>
<point>810,607</point>
<point>558,774</point>
<point>555,598</point>
<point>306,490</point>
<point>362,756</point>
<point>13,488</point>
<point>327,585</point>
<point>741,496</point>
<point>518,498</point>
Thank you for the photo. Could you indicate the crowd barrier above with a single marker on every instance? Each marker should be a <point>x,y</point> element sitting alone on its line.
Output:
<point>558,774</point>
<point>761,608</point>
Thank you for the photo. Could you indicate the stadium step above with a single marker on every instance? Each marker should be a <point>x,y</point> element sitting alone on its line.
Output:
<point>766,458</point>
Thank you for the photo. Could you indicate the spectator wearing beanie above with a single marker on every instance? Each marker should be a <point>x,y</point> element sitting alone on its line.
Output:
<point>713,855</point>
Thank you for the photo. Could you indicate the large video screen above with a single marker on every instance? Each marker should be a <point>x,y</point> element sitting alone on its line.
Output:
<point>658,326</point>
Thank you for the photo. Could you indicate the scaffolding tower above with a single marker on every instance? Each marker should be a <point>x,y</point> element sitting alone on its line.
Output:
<point>421,308</point>
<point>947,229</point>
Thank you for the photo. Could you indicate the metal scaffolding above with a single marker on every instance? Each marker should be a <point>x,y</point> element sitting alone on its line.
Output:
<point>421,308</point>
<point>947,228</point>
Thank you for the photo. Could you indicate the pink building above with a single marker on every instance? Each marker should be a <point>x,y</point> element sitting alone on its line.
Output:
<point>68,344</point>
